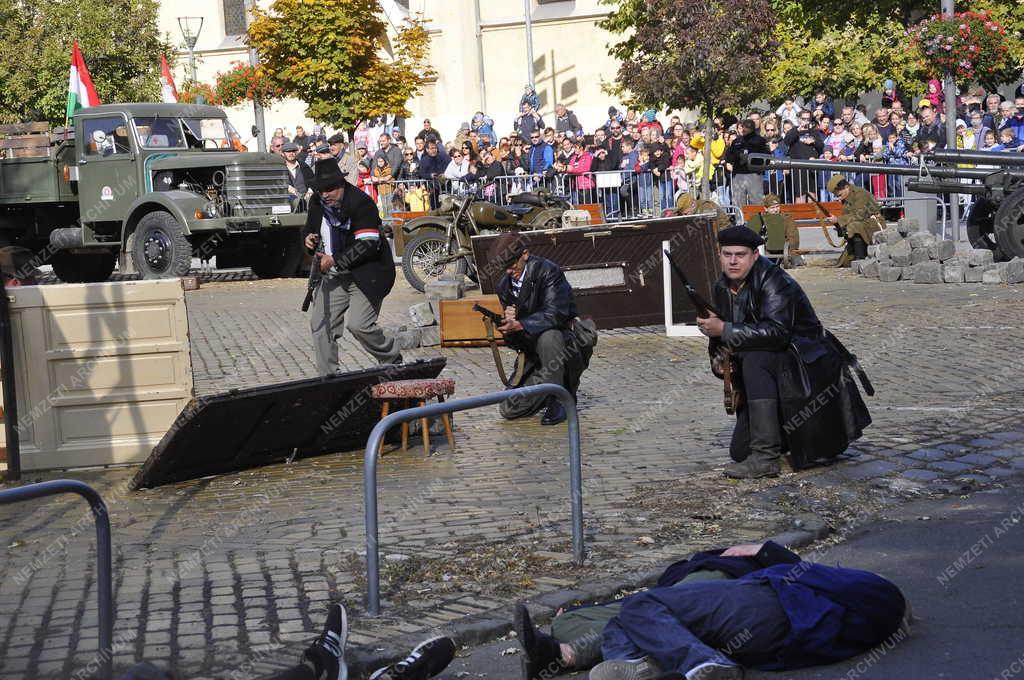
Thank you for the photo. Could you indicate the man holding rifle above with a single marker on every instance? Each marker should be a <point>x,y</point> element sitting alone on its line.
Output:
<point>861,218</point>
<point>356,265</point>
<point>798,391</point>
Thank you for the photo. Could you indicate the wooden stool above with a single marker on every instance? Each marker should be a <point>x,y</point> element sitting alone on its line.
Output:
<point>416,392</point>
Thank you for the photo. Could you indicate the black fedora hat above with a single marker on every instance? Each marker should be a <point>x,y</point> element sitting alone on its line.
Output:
<point>327,175</point>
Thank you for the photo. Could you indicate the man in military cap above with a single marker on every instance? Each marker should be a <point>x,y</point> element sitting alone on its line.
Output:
<point>539,308</point>
<point>346,161</point>
<point>688,205</point>
<point>762,222</point>
<point>797,394</point>
<point>861,219</point>
<point>18,266</point>
<point>357,266</point>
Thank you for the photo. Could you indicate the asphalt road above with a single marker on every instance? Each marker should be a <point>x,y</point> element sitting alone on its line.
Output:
<point>960,562</point>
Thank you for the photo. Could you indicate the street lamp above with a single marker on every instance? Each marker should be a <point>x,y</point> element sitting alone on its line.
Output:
<point>190,27</point>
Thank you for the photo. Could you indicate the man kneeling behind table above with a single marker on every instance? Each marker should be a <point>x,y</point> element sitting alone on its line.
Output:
<point>707,617</point>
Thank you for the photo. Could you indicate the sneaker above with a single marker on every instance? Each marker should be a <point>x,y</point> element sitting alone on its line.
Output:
<point>327,653</point>
<point>429,658</point>
<point>714,670</point>
<point>624,669</point>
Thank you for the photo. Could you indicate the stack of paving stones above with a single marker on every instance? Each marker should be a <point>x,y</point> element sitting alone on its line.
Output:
<point>423,329</point>
<point>906,252</point>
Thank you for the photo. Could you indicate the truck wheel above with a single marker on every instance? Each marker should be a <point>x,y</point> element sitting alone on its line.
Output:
<point>420,259</point>
<point>160,248</point>
<point>72,268</point>
<point>280,254</point>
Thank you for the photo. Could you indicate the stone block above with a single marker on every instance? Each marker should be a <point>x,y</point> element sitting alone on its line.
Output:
<point>884,252</point>
<point>889,274</point>
<point>422,314</point>
<point>942,250</point>
<point>908,226</point>
<point>873,250</point>
<point>890,235</point>
<point>444,290</point>
<point>928,272</point>
<point>919,255</point>
<point>1015,271</point>
<point>974,274</point>
<point>979,257</point>
<point>995,275</point>
<point>900,253</point>
<point>855,265</point>
<point>430,336</point>
<point>921,239</point>
<point>953,272</point>
<point>879,237</point>
<point>409,338</point>
<point>870,269</point>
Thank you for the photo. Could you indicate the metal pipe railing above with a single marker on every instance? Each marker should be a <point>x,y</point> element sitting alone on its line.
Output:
<point>104,589</point>
<point>406,415</point>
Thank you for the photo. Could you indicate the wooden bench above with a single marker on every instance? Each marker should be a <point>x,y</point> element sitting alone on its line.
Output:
<point>801,212</point>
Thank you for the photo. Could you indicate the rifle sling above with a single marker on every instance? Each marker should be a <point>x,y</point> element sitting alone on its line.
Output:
<point>520,365</point>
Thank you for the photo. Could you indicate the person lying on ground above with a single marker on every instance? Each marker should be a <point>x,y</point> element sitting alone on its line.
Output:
<point>749,605</point>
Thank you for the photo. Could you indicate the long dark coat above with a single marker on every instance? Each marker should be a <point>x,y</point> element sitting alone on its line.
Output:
<point>820,406</point>
<point>369,261</point>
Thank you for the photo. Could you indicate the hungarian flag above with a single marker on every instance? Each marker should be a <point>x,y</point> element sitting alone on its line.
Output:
<point>81,93</point>
<point>167,89</point>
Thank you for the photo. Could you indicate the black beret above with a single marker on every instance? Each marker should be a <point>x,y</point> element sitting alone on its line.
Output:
<point>739,235</point>
<point>335,139</point>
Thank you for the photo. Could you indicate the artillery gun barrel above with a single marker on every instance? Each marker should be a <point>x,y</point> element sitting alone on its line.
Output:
<point>996,159</point>
<point>765,162</point>
<point>926,187</point>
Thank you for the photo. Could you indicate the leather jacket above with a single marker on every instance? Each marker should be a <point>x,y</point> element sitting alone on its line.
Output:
<point>545,299</point>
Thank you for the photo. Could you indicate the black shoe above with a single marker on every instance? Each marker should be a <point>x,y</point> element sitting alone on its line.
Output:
<point>542,657</point>
<point>555,413</point>
<point>429,658</point>
<point>327,654</point>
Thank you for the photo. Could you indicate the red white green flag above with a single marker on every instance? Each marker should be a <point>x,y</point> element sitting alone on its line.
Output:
<point>168,92</point>
<point>81,93</point>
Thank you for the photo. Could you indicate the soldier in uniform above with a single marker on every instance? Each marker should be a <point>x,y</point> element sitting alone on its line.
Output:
<point>688,205</point>
<point>861,219</point>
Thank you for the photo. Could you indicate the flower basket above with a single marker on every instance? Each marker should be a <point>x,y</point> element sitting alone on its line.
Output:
<point>969,45</point>
<point>245,83</point>
<point>191,92</point>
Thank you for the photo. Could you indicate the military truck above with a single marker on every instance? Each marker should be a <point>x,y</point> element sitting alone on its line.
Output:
<point>150,185</point>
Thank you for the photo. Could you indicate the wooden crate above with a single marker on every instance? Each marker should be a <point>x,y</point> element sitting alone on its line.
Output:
<point>25,140</point>
<point>463,327</point>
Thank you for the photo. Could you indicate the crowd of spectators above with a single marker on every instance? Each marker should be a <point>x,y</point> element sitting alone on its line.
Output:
<point>655,161</point>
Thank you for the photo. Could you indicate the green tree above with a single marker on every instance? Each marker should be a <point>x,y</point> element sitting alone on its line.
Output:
<point>697,54</point>
<point>330,54</point>
<point>118,38</point>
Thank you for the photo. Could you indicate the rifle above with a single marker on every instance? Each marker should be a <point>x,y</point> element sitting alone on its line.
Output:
<point>315,275</point>
<point>730,375</point>
<point>491,320</point>
<point>824,212</point>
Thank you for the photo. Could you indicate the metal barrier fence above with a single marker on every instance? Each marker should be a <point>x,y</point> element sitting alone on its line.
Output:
<point>406,415</point>
<point>104,591</point>
<point>625,195</point>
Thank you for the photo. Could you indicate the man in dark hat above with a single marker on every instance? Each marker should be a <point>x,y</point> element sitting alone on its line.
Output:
<point>539,308</point>
<point>18,266</point>
<point>357,266</point>
<point>798,393</point>
<point>861,219</point>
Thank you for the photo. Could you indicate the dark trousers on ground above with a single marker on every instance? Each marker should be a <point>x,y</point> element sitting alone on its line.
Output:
<point>549,357</point>
<point>760,371</point>
<point>711,622</point>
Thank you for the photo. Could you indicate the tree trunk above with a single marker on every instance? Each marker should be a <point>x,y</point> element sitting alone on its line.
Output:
<point>709,131</point>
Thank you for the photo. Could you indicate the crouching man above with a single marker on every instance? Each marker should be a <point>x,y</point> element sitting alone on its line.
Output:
<point>539,310</point>
<point>798,390</point>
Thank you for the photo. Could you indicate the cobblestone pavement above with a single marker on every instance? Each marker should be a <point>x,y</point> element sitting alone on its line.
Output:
<point>232,574</point>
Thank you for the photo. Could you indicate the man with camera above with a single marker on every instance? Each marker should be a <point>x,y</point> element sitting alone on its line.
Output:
<point>344,227</point>
<point>747,183</point>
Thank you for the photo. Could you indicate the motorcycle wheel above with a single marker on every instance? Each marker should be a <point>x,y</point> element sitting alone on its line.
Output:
<point>420,259</point>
